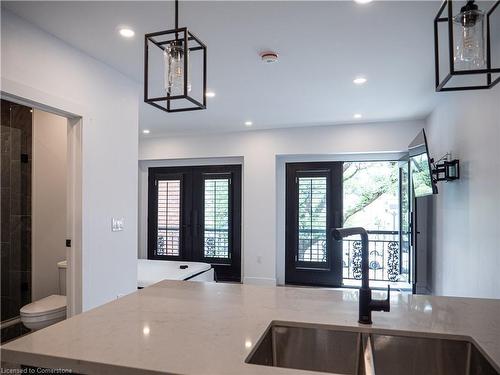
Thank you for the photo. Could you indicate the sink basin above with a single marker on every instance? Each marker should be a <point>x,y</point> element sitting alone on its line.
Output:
<point>428,355</point>
<point>344,351</point>
<point>306,348</point>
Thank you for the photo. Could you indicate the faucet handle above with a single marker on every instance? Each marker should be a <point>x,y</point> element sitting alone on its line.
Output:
<point>382,304</point>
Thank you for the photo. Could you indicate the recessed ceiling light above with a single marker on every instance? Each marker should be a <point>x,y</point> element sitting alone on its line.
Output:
<point>359,80</point>
<point>146,131</point>
<point>358,115</point>
<point>248,123</point>
<point>363,1</point>
<point>269,57</point>
<point>210,94</point>
<point>126,32</point>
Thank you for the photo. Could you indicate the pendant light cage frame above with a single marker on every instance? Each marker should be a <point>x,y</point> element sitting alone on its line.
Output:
<point>443,85</point>
<point>191,44</point>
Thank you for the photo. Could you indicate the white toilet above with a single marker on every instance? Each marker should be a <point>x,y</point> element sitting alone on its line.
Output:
<point>48,310</point>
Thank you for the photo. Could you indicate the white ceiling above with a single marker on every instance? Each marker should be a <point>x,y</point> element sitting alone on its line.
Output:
<point>322,46</point>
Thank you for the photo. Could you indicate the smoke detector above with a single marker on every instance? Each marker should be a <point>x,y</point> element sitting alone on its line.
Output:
<point>269,57</point>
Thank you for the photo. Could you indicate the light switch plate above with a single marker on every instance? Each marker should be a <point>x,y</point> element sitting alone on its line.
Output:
<point>117,224</point>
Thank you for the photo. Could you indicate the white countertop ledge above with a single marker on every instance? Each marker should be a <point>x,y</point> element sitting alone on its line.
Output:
<point>180,327</point>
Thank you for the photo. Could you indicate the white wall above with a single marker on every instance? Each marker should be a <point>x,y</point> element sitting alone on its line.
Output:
<point>466,237</point>
<point>48,223</point>
<point>260,151</point>
<point>43,69</point>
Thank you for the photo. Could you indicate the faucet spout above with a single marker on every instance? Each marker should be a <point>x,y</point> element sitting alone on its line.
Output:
<point>366,303</point>
<point>339,233</point>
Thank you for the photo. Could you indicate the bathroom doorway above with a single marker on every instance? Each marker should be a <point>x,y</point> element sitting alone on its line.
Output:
<point>39,152</point>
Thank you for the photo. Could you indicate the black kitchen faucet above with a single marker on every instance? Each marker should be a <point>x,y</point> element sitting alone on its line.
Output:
<point>366,303</point>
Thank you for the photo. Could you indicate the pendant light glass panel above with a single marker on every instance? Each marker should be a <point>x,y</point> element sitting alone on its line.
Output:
<point>174,71</point>
<point>469,38</point>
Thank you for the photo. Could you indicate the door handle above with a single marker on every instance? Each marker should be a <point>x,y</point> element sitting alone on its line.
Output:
<point>188,221</point>
<point>337,218</point>
<point>412,234</point>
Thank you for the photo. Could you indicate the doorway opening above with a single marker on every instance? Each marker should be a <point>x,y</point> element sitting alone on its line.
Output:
<point>324,195</point>
<point>41,196</point>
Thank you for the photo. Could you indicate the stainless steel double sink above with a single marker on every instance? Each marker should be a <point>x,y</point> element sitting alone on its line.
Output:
<point>340,350</point>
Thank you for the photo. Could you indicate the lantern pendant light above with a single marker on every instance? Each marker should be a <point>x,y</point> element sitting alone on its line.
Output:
<point>469,53</point>
<point>174,91</point>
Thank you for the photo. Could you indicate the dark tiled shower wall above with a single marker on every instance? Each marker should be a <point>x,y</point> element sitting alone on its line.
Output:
<point>16,161</point>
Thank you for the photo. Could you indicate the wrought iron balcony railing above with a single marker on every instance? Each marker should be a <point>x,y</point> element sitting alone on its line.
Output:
<point>387,263</point>
<point>216,242</point>
<point>385,257</point>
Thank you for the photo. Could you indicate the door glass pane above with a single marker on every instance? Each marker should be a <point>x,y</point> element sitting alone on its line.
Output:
<point>169,216</point>
<point>312,219</point>
<point>216,231</point>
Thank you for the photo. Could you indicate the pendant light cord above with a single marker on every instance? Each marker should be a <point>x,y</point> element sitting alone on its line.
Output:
<point>176,14</point>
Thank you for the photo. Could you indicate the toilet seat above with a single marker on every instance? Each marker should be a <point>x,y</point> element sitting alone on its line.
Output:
<point>44,312</point>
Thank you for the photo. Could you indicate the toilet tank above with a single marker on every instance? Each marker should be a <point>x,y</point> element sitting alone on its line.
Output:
<point>61,267</point>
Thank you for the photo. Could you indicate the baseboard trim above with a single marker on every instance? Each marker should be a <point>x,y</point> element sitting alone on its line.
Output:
<point>259,281</point>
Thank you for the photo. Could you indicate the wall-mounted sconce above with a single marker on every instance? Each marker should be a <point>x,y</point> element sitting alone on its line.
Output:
<point>446,169</point>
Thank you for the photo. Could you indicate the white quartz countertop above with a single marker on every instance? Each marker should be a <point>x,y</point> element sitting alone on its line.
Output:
<point>210,328</point>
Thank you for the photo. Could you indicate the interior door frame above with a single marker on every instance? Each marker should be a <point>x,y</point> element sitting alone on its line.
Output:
<point>75,115</point>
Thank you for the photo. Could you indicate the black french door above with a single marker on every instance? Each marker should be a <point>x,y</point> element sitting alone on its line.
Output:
<point>313,208</point>
<point>194,214</point>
